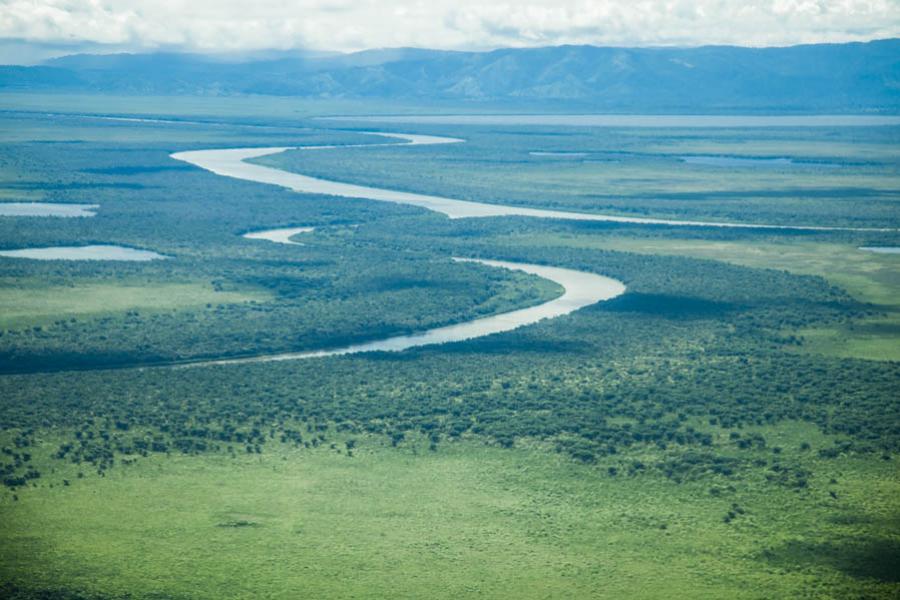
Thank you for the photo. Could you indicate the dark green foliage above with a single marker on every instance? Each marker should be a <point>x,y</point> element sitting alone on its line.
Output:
<point>861,558</point>
<point>692,341</point>
<point>10,591</point>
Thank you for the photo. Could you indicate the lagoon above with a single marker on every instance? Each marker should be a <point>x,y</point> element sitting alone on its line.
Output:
<point>46,209</point>
<point>279,236</point>
<point>94,252</point>
<point>747,161</point>
<point>882,249</point>
<point>559,154</point>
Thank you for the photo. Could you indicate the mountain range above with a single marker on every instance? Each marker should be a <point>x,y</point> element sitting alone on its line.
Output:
<point>853,77</point>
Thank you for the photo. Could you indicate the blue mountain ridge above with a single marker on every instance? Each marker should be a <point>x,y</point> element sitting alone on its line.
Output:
<point>852,77</point>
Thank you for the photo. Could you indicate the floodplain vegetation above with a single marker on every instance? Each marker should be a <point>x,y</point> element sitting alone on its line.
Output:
<point>729,427</point>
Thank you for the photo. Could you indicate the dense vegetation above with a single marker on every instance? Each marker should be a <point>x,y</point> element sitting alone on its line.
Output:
<point>697,384</point>
<point>334,291</point>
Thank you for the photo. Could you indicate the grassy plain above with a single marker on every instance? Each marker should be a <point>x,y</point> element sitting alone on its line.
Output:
<point>22,306</point>
<point>466,521</point>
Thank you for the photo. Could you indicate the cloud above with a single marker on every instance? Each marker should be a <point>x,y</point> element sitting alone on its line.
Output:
<point>344,25</point>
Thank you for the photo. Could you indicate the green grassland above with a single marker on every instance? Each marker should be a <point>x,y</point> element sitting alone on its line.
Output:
<point>872,339</point>
<point>467,521</point>
<point>720,430</point>
<point>242,108</point>
<point>22,306</point>
<point>849,145</point>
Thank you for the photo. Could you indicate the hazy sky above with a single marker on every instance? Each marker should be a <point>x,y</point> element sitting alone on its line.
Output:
<point>344,25</point>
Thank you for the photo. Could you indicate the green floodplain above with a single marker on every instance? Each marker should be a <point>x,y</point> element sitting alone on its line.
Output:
<point>728,427</point>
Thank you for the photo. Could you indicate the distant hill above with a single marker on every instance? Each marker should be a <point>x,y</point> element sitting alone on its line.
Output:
<point>851,77</point>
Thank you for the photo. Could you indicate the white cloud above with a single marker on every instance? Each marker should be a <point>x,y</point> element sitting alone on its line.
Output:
<point>227,25</point>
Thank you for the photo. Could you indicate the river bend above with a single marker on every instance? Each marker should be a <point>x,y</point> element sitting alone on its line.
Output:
<point>580,288</point>
<point>231,162</point>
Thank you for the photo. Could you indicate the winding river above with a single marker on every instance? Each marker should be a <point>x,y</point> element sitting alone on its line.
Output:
<point>231,162</point>
<point>581,288</point>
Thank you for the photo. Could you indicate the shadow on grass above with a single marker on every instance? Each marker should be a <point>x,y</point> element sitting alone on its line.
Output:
<point>136,170</point>
<point>860,558</point>
<point>14,592</point>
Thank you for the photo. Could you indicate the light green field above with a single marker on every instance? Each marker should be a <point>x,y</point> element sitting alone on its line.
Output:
<point>873,339</point>
<point>9,174</point>
<point>8,195</point>
<point>267,107</point>
<point>781,147</point>
<point>466,521</point>
<point>24,306</point>
<point>867,276</point>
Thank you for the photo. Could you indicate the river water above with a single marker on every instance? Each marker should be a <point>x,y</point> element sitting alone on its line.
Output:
<point>279,236</point>
<point>581,289</point>
<point>96,252</point>
<point>882,249</point>
<point>46,209</point>
<point>232,162</point>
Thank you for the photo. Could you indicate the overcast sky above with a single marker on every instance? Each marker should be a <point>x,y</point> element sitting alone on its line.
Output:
<point>59,26</point>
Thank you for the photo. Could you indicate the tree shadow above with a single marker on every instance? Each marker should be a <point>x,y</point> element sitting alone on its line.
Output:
<point>669,306</point>
<point>860,558</point>
<point>135,170</point>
